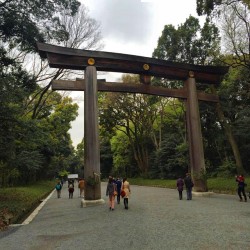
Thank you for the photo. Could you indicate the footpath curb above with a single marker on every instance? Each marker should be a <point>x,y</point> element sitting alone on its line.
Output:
<point>34,213</point>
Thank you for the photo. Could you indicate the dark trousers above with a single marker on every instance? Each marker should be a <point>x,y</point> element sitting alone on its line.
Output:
<point>189,193</point>
<point>126,203</point>
<point>241,190</point>
<point>70,195</point>
<point>180,194</point>
<point>118,198</point>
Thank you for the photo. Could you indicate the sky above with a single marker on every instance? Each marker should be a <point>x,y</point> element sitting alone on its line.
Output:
<point>130,27</point>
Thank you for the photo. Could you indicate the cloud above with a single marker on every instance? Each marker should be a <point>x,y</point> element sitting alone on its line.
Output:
<point>123,20</point>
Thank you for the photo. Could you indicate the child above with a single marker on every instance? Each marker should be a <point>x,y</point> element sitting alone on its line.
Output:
<point>58,189</point>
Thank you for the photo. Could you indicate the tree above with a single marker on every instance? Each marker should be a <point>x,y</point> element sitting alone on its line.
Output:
<point>193,44</point>
<point>23,23</point>
<point>233,20</point>
<point>83,33</point>
<point>189,43</point>
<point>235,30</point>
<point>32,117</point>
<point>132,115</point>
<point>208,7</point>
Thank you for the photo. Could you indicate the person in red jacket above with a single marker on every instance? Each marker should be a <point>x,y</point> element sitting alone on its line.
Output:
<point>241,186</point>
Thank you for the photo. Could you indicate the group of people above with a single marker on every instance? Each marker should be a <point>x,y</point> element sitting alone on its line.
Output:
<point>117,188</point>
<point>71,188</point>
<point>188,182</point>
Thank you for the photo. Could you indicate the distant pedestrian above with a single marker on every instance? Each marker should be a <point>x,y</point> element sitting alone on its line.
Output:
<point>118,186</point>
<point>71,189</point>
<point>180,184</point>
<point>189,185</point>
<point>110,192</point>
<point>126,189</point>
<point>81,185</point>
<point>241,186</point>
<point>58,189</point>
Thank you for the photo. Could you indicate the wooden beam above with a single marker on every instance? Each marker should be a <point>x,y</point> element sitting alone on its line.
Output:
<point>68,58</point>
<point>79,85</point>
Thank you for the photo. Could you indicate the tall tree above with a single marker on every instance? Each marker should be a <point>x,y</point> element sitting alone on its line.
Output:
<point>189,43</point>
<point>208,7</point>
<point>23,23</point>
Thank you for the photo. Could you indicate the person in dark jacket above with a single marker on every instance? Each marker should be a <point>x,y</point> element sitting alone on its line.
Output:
<point>241,186</point>
<point>180,184</point>
<point>118,186</point>
<point>189,185</point>
<point>71,189</point>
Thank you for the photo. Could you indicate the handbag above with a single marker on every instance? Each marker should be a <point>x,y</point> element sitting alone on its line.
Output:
<point>123,193</point>
<point>115,193</point>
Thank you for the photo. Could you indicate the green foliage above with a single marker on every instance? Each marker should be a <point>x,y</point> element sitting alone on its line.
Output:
<point>23,30</point>
<point>63,173</point>
<point>92,181</point>
<point>106,155</point>
<point>189,43</point>
<point>217,185</point>
<point>20,201</point>
<point>207,7</point>
<point>227,169</point>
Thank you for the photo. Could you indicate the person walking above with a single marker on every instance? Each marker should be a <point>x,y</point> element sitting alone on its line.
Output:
<point>81,185</point>
<point>241,186</point>
<point>110,192</point>
<point>189,185</point>
<point>126,189</point>
<point>118,186</point>
<point>180,184</point>
<point>71,189</point>
<point>58,189</point>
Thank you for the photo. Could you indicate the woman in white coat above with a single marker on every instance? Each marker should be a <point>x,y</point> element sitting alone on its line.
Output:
<point>126,189</point>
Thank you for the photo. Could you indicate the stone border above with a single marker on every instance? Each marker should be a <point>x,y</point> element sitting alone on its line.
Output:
<point>203,194</point>
<point>90,203</point>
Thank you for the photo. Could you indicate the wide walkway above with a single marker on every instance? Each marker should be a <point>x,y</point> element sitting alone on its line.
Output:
<point>156,219</point>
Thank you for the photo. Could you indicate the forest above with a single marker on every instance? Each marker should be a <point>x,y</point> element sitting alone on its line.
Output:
<point>140,135</point>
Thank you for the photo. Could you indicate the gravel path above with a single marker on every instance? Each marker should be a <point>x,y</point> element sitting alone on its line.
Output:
<point>156,219</point>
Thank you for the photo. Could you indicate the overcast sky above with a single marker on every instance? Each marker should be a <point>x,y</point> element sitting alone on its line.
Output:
<point>131,27</point>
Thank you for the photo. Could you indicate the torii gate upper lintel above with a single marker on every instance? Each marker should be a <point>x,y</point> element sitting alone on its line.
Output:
<point>93,61</point>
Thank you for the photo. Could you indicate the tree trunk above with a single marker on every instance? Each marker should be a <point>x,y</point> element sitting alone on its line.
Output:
<point>230,136</point>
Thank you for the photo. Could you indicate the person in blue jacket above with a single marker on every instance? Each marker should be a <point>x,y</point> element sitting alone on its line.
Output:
<point>118,183</point>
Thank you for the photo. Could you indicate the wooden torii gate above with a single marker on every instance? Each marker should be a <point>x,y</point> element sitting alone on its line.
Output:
<point>93,61</point>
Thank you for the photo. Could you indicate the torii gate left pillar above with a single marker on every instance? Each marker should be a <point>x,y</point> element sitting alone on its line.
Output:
<point>92,194</point>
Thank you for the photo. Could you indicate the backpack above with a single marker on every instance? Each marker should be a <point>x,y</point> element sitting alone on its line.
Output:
<point>58,186</point>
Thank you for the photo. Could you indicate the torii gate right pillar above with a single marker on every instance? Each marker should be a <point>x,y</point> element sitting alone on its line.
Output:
<point>196,152</point>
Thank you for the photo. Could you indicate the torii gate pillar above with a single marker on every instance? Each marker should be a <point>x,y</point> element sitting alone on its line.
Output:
<point>196,152</point>
<point>92,194</point>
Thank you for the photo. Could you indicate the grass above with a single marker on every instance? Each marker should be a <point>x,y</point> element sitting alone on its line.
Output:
<point>217,185</point>
<point>18,202</point>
